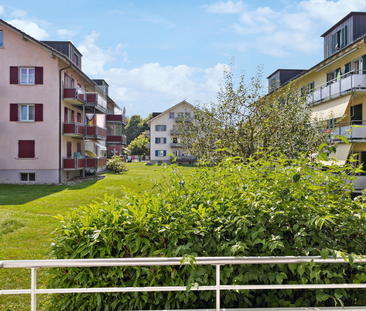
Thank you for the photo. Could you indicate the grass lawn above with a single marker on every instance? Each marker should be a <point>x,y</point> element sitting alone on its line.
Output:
<point>26,220</point>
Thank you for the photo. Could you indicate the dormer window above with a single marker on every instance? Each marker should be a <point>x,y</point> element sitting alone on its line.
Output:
<point>76,60</point>
<point>339,39</point>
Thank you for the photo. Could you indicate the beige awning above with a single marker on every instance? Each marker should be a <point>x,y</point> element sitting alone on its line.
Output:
<point>334,108</point>
<point>340,156</point>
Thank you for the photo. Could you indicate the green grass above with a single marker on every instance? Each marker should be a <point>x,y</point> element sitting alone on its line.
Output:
<point>26,220</point>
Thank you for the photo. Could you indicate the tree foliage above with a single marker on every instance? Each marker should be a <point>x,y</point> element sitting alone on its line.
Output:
<point>267,206</point>
<point>135,126</point>
<point>138,145</point>
<point>116,164</point>
<point>245,120</point>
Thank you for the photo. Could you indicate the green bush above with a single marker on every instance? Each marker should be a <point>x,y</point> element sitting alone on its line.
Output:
<point>268,207</point>
<point>116,164</point>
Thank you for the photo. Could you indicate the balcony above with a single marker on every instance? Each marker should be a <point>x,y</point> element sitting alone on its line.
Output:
<point>175,132</point>
<point>176,145</point>
<point>96,101</point>
<point>183,119</point>
<point>73,129</point>
<point>70,164</point>
<point>184,158</point>
<point>74,95</point>
<point>95,163</point>
<point>117,118</point>
<point>96,132</point>
<point>352,134</point>
<point>348,82</point>
<point>117,139</point>
<point>360,183</point>
<point>147,133</point>
<point>147,145</point>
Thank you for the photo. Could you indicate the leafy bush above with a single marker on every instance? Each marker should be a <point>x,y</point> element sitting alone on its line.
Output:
<point>116,164</point>
<point>268,207</point>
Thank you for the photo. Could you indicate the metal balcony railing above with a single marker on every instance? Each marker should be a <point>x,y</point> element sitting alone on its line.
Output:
<point>352,130</point>
<point>177,261</point>
<point>74,95</point>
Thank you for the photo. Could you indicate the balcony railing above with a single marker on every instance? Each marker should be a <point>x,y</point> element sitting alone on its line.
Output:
<point>348,82</point>
<point>183,119</point>
<point>72,164</point>
<point>73,129</point>
<point>184,158</point>
<point>218,262</point>
<point>147,133</point>
<point>74,95</point>
<point>94,163</point>
<point>147,145</point>
<point>96,100</point>
<point>352,130</point>
<point>117,118</point>
<point>96,132</point>
<point>117,139</point>
<point>176,145</point>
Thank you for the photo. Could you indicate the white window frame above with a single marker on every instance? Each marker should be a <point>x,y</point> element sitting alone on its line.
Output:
<point>20,108</point>
<point>171,115</point>
<point>160,126</point>
<point>353,65</point>
<point>160,153</point>
<point>28,75</point>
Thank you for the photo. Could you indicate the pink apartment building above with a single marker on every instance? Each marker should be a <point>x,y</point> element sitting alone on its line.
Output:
<point>52,112</point>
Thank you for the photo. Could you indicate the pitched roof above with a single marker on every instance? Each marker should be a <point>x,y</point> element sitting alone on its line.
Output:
<point>183,102</point>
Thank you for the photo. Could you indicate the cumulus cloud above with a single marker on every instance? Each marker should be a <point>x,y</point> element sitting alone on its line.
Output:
<point>229,7</point>
<point>19,13</point>
<point>66,33</point>
<point>2,10</point>
<point>30,28</point>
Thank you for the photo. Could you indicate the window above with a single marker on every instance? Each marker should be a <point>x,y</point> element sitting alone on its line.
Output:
<point>160,153</point>
<point>26,112</point>
<point>160,140</point>
<point>175,140</point>
<point>76,60</point>
<point>69,116</point>
<point>26,75</point>
<point>171,115</point>
<point>1,39</point>
<point>27,177</point>
<point>306,89</point>
<point>160,128</point>
<point>339,39</point>
<point>26,149</point>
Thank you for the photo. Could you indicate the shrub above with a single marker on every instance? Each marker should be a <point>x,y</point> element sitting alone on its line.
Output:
<point>269,207</point>
<point>116,164</point>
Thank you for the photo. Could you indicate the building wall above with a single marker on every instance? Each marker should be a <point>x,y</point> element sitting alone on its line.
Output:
<point>163,119</point>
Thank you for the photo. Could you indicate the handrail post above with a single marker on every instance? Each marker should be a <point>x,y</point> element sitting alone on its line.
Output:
<point>33,289</point>
<point>217,288</point>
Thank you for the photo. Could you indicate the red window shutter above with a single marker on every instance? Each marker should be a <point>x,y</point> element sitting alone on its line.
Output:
<point>38,112</point>
<point>79,117</point>
<point>14,75</point>
<point>72,82</point>
<point>38,77</point>
<point>72,116</point>
<point>14,112</point>
<point>65,116</point>
<point>79,147</point>
<point>26,149</point>
<point>68,149</point>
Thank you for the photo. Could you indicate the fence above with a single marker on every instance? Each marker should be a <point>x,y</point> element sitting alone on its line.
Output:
<point>216,261</point>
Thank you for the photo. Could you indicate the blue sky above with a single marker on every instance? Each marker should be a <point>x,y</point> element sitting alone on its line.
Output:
<point>155,53</point>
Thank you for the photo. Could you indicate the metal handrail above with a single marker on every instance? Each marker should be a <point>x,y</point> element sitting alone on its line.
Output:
<point>161,261</point>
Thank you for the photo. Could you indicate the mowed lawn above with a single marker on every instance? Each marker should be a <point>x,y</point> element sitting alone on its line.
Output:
<point>26,220</point>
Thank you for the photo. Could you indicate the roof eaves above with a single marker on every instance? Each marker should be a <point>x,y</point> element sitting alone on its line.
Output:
<point>182,102</point>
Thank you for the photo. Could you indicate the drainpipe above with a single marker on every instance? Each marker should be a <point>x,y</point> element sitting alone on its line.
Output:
<point>59,126</point>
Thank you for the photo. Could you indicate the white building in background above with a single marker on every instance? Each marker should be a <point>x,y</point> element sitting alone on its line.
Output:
<point>164,139</point>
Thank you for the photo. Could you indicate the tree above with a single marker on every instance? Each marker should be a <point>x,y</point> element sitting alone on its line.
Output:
<point>245,120</point>
<point>138,145</point>
<point>135,126</point>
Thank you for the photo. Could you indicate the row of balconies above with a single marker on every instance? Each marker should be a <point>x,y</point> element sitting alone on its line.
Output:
<point>95,132</point>
<point>91,100</point>
<point>117,118</point>
<point>72,164</point>
<point>172,145</point>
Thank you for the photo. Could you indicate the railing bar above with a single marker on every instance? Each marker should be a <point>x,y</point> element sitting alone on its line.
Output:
<point>33,289</point>
<point>217,287</point>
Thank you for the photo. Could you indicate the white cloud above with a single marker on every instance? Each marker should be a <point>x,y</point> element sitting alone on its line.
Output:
<point>2,10</point>
<point>331,11</point>
<point>66,33</point>
<point>19,13</point>
<point>30,27</point>
<point>229,7</point>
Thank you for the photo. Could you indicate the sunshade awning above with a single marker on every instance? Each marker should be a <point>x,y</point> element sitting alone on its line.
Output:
<point>334,108</point>
<point>340,156</point>
<point>101,147</point>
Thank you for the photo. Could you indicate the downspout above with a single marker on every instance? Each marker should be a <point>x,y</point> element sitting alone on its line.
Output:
<point>59,126</point>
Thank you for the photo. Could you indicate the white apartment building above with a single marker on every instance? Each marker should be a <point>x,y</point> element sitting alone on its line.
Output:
<point>164,138</point>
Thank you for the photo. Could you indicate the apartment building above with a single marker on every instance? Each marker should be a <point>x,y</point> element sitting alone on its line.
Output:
<point>336,86</point>
<point>164,137</point>
<point>52,112</point>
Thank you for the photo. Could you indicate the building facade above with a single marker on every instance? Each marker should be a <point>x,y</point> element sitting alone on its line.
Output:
<point>165,145</point>
<point>336,87</point>
<point>51,111</point>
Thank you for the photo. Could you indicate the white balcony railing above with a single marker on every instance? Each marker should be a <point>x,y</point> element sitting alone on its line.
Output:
<point>176,261</point>
<point>346,83</point>
<point>352,130</point>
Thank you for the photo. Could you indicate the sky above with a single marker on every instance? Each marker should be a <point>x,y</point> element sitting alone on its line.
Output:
<point>155,53</point>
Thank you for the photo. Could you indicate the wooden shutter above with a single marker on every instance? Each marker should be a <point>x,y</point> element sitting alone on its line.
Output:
<point>344,36</point>
<point>14,75</point>
<point>72,116</point>
<point>164,140</point>
<point>79,117</point>
<point>156,127</point>
<point>156,140</point>
<point>79,147</point>
<point>38,112</point>
<point>65,116</point>
<point>347,68</point>
<point>164,153</point>
<point>164,127</point>
<point>335,42</point>
<point>68,152</point>
<point>14,115</point>
<point>38,77</point>
<point>156,153</point>
<point>26,148</point>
